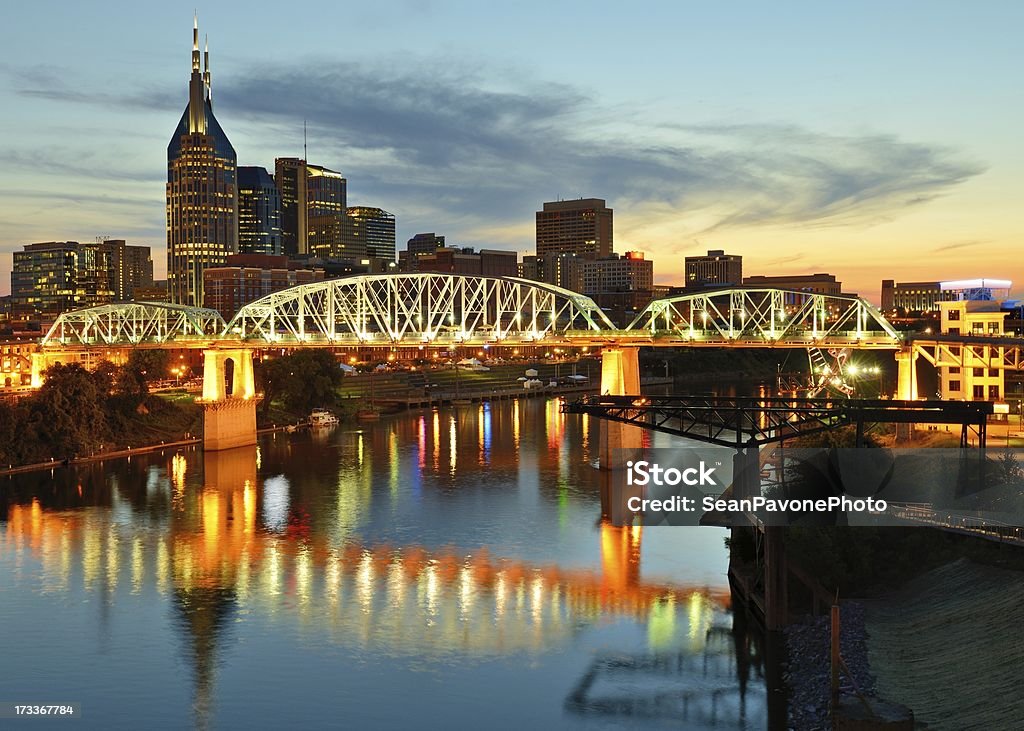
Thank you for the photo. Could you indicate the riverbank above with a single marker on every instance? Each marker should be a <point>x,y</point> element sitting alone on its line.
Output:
<point>948,644</point>
<point>808,662</point>
<point>118,454</point>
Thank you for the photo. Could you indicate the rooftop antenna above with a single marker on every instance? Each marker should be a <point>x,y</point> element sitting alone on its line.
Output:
<point>304,155</point>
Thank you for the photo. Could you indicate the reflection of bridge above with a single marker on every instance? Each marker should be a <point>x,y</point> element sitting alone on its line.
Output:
<point>414,598</point>
<point>210,551</point>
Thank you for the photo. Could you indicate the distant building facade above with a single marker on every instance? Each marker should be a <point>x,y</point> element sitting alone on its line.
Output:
<point>628,273</point>
<point>557,269</point>
<point>717,269</point>
<point>247,277</point>
<point>582,227</point>
<point>820,283</point>
<point>373,228</point>
<point>335,236</point>
<point>16,363</point>
<point>486,262</point>
<point>202,191</point>
<point>620,285</point>
<point>974,380</point>
<point>926,296</point>
<point>259,212</point>
<point>57,276</point>
<point>424,243</point>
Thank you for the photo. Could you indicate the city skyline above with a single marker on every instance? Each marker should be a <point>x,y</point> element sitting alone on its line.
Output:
<point>829,156</point>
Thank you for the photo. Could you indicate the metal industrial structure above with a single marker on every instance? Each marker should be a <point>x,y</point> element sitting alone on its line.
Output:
<point>768,317</point>
<point>133,323</point>
<point>752,421</point>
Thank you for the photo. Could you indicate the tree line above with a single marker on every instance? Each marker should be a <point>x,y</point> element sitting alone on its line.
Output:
<point>78,412</point>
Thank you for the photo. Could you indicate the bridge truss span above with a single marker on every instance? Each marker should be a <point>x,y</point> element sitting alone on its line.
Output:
<point>133,323</point>
<point>770,317</point>
<point>418,308</point>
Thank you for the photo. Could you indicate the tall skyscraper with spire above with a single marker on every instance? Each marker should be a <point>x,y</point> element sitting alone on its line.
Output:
<point>202,190</point>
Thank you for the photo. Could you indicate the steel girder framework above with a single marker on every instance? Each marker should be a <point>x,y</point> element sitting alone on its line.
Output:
<point>418,308</point>
<point>964,351</point>
<point>133,323</point>
<point>768,316</point>
<point>753,421</point>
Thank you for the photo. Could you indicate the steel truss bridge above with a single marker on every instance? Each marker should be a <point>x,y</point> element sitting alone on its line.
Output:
<point>441,310</point>
<point>753,421</point>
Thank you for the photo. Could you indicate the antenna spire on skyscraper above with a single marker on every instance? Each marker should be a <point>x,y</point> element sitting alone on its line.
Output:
<point>206,68</point>
<point>195,42</point>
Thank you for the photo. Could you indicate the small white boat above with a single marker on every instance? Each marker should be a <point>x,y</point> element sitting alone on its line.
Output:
<point>322,417</point>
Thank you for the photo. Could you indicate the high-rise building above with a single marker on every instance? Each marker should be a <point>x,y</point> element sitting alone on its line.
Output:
<point>581,227</point>
<point>717,269</point>
<point>374,228</point>
<point>202,190</point>
<point>56,276</point>
<point>306,191</point>
<point>424,243</point>
<point>333,236</point>
<point>418,245</point>
<point>259,212</point>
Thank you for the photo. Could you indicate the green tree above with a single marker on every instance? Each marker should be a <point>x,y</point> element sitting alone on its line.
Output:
<point>300,381</point>
<point>69,413</point>
<point>141,368</point>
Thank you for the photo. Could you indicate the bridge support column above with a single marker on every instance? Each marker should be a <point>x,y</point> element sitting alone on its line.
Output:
<point>620,376</point>
<point>906,382</point>
<point>229,399</point>
<point>776,594</point>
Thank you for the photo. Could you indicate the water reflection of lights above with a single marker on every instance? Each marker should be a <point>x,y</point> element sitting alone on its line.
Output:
<point>421,442</point>
<point>410,599</point>
<point>437,440</point>
<point>137,565</point>
<point>396,583</point>
<point>500,594</point>
<point>275,503</point>
<point>393,464</point>
<point>303,575</point>
<point>113,557</point>
<point>465,592</point>
<point>364,581</point>
<point>452,442</point>
<point>179,467</point>
<point>537,599</point>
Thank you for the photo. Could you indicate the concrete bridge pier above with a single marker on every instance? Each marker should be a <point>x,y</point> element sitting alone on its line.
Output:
<point>747,484</point>
<point>620,376</point>
<point>906,381</point>
<point>229,399</point>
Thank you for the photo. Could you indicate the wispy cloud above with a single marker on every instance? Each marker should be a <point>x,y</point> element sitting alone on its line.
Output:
<point>959,245</point>
<point>446,143</point>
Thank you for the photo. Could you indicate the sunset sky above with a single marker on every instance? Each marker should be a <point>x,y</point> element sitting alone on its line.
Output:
<point>870,140</point>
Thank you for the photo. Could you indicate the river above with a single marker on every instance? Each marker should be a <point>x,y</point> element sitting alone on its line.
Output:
<point>445,568</point>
